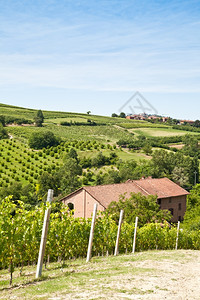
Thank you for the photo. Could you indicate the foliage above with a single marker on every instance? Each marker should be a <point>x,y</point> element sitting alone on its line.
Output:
<point>166,163</point>
<point>2,120</point>
<point>42,139</point>
<point>3,132</point>
<point>20,234</point>
<point>144,207</point>
<point>147,149</point>
<point>19,192</point>
<point>192,215</point>
<point>191,146</point>
<point>121,115</point>
<point>39,118</point>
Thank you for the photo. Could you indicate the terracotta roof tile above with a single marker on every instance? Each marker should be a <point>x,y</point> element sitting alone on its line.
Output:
<point>105,194</point>
<point>162,187</point>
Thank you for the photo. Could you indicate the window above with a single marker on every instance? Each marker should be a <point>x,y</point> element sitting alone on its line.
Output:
<point>159,201</point>
<point>179,206</point>
<point>71,207</point>
<point>172,211</point>
<point>170,200</point>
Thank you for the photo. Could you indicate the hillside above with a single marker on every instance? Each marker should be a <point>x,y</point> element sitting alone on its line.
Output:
<point>147,275</point>
<point>117,139</point>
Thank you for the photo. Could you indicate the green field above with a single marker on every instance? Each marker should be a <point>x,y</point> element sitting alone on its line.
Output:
<point>22,164</point>
<point>159,132</point>
<point>122,154</point>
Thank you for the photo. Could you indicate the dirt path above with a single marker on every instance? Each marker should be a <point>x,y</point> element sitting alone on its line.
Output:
<point>170,280</point>
<point>151,275</point>
<point>173,279</point>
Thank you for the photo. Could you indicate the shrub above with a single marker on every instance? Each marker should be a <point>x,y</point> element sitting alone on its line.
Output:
<point>42,139</point>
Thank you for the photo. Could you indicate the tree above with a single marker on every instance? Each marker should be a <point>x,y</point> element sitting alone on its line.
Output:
<point>19,192</point>
<point>39,119</point>
<point>111,177</point>
<point>126,169</point>
<point>114,115</point>
<point>43,139</point>
<point>191,147</point>
<point>48,181</point>
<point>2,120</point>
<point>197,123</point>
<point>122,115</point>
<point>3,132</point>
<point>68,175</point>
<point>147,149</point>
<point>180,176</point>
<point>192,215</point>
<point>99,160</point>
<point>72,154</point>
<point>144,207</point>
<point>88,112</point>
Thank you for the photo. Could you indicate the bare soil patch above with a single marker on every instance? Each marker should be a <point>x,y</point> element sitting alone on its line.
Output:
<point>152,275</point>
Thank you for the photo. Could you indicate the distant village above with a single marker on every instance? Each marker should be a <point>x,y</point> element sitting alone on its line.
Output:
<point>153,118</point>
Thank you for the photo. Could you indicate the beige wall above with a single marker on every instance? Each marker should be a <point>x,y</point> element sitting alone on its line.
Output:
<point>83,204</point>
<point>174,202</point>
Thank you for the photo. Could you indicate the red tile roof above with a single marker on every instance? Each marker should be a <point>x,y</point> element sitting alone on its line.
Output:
<point>105,194</point>
<point>162,187</point>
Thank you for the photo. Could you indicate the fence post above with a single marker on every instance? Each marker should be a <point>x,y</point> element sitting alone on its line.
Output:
<point>44,235</point>
<point>89,252</point>
<point>135,233</point>
<point>118,233</point>
<point>178,228</point>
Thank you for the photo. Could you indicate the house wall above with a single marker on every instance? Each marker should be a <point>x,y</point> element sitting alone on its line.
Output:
<point>178,204</point>
<point>83,204</point>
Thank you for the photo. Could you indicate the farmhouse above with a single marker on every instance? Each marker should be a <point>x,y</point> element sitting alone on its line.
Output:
<point>170,196</point>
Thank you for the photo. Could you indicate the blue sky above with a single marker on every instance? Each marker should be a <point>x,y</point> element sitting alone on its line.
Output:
<point>94,55</point>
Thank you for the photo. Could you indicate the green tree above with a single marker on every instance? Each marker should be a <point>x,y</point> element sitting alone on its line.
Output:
<point>147,149</point>
<point>179,175</point>
<point>2,120</point>
<point>191,146</point>
<point>114,115</point>
<point>122,115</point>
<point>111,177</point>
<point>48,181</point>
<point>72,154</point>
<point>126,169</point>
<point>43,139</point>
<point>39,118</point>
<point>68,173</point>
<point>3,132</point>
<point>144,207</point>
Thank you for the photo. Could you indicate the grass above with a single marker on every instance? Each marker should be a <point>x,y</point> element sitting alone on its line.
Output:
<point>122,154</point>
<point>100,133</point>
<point>158,132</point>
<point>102,278</point>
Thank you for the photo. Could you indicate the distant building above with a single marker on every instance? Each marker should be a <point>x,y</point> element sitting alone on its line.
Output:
<point>190,122</point>
<point>144,117</point>
<point>170,196</point>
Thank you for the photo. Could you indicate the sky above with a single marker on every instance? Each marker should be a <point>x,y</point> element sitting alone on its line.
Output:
<point>71,55</point>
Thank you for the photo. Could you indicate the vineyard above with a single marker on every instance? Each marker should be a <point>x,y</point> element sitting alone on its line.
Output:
<point>19,163</point>
<point>20,234</point>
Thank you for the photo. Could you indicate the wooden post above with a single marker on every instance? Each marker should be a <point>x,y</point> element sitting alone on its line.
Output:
<point>178,228</point>
<point>44,235</point>
<point>135,233</point>
<point>118,233</point>
<point>89,253</point>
